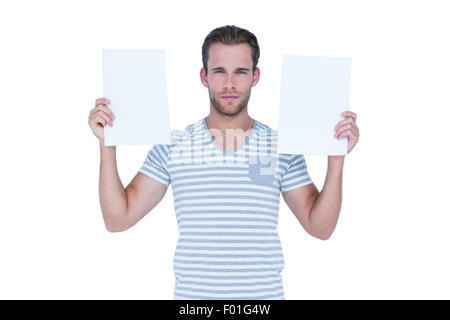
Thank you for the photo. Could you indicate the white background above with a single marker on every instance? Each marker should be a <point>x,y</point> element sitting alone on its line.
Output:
<point>392,238</point>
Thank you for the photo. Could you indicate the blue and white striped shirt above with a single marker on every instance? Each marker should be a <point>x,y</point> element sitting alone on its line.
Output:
<point>226,204</point>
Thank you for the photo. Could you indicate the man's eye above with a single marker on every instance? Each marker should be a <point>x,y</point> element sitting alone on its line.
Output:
<point>218,71</point>
<point>242,72</point>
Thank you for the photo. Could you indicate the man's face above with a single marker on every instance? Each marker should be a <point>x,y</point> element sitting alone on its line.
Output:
<point>230,77</point>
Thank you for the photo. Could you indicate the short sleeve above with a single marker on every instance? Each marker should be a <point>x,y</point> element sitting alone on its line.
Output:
<point>155,165</point>
<point>296,174</point>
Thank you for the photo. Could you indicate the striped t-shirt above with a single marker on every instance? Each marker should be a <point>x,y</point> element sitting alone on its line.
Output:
<point>226,205</point>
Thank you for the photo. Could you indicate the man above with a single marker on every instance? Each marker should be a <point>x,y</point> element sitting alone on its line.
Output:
<point>226,178</point>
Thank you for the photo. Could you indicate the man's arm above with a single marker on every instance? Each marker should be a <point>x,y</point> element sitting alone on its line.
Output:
<point>122,208</point>
<point>318,212</point>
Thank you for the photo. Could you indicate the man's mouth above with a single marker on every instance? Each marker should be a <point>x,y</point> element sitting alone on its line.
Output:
<point>230,98</point>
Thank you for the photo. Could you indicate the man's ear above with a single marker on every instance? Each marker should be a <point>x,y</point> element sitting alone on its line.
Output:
<point>256,75</point>
<point>203,77</point>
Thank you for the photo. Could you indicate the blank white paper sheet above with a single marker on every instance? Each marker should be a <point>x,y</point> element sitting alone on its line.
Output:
<point>314,92</point>
<point>135,82</point>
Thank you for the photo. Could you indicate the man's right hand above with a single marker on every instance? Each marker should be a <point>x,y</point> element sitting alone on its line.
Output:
<point>99,117</point>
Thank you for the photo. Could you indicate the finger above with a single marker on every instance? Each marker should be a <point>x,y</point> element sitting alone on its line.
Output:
<point>106,110</point>
<point>102,101</point>
<point>349,114</point>
<point>343,131</point>
<point>343,128</point>
<point>94,112</point>
<point>345,121</point>
<point>96,121</point>
<point>100,119</point>
<point>105,117</point>
<point>347,133</point>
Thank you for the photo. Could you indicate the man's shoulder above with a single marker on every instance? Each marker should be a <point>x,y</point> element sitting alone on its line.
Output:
<point>265,130</point>
<point>266,134</point>
<point>189,133</point>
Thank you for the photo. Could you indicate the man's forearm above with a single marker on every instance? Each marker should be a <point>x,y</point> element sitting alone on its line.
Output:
<point>325,210</point>
<point>113,197</point>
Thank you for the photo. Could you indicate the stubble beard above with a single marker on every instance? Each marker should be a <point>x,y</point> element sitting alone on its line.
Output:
<point>222,110</point>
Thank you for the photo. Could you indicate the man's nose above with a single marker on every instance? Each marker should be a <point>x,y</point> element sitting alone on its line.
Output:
<point>230,81</point>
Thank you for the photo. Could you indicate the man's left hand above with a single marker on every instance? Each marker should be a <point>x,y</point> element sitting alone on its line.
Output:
<point>348,128</point>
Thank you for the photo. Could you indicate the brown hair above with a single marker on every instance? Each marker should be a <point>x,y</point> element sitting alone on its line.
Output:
<point>230,35</point>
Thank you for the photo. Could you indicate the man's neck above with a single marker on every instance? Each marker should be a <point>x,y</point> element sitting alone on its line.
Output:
<point>220,122</point>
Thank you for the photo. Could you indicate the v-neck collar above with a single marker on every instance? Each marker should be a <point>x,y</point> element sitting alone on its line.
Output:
<point>239,147</point>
